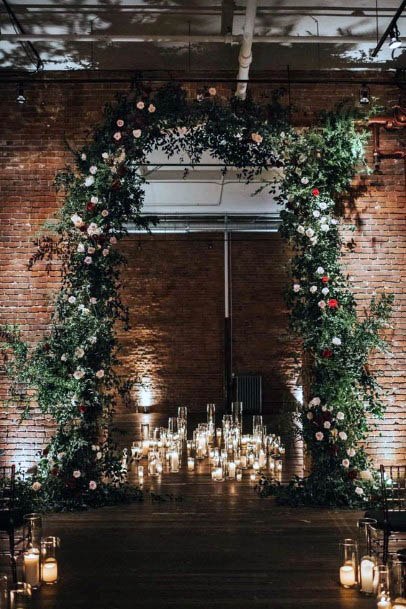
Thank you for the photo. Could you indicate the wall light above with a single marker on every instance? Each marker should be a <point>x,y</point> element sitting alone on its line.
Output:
<point>145,393</point>
<point>21,99</point>
<point>395,41</point>
<point>364,95</point>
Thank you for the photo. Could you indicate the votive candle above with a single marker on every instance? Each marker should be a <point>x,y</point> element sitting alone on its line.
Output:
<point>347,576</point>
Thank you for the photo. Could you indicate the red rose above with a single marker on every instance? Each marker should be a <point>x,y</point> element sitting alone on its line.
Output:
<point>352,474</point>
<point>327,353</point>
<point>315,192</point>
<point>82,408</point>
<point>332,303</point>
<point>90,206</point>
<point>55,471</point>
<point>116,185</point>
<point>325,279</point>
<point>83,228</point>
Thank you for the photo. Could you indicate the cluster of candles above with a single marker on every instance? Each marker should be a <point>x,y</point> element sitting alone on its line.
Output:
<point>229,451</point>
<point>366,574</point>
<point>39,565</point>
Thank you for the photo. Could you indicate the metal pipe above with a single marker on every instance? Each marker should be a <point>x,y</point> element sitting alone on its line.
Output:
<point>195,38</point>
<point>245,56</point>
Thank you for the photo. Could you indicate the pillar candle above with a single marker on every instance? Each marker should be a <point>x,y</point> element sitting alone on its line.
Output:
<point>190,464</point>
<point>50,571</point>
<point>367,575</point>
<point>231,469</point>
<point>31,568</point>
<point>347,576</point>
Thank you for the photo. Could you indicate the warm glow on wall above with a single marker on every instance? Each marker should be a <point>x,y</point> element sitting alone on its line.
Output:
<point>145,393</point>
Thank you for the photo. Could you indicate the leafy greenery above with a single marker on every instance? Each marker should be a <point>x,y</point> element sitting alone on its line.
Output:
<point>72,370</point>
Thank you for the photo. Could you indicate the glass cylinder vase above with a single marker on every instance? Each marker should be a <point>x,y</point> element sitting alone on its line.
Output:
<point>397,581</point>
<point>49,560</point>
<point>348,563</point>
<point>33,529</point>
<point>20,596</point>
<point>31,567</point>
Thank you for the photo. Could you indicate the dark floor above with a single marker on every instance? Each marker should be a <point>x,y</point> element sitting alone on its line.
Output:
<point>220,547</point>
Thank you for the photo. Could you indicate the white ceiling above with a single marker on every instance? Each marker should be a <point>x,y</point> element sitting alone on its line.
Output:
<point>274,17</point>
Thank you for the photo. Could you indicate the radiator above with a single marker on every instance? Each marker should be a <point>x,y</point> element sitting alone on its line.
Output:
<point>248,390</point>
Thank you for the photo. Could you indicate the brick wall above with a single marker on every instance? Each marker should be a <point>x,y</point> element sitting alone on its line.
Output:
<point>174,284</point>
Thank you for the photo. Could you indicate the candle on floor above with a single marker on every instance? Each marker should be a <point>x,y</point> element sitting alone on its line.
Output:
<point>367,575</point>
<point>238,474</point>
<point>20,596</point>
<point>384,603</point>
<point>231,470</point>
<point>141,473</point>
<point>50,571</point>
<point>31,567</point>
<point>217,474</point>
<point>347,576</point>
<point>174,461</point>
<point>253,477</point>
<point>190,464</point>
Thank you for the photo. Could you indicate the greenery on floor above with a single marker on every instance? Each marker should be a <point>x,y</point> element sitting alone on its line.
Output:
<point>72,371</point>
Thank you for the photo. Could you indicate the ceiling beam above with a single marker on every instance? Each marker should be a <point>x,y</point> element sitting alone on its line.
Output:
<point>184,38</point>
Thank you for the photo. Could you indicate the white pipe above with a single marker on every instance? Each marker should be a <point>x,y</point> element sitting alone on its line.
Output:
<point>226,277</point>
<point>197,39</point>
<point>245,56</point>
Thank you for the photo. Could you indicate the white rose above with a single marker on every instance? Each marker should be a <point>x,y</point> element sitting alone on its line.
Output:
<point>76,473</point>
<point>77,220</point>
<point>342,435</point>
<point>81,248</point>
<point>319,436</point>
<point>64,357</point>
<point>83,156</point>
<point>98,455</point>
<point>315,402</point>
<point>300,229</point>
<point>36,486</point>
<point>325,291</point>
<point>137,133</point>
<point>92,485</point>
<point>316,213</point>
<point>100,374</point>
<point>105,252</point>
<point>340,416</point>
<point>309,415</point>
<point>305,180</point>
<point>313,240</point>
<point>359,490</point>
<point>320,270</point>
<point>89,181</point>
<point>296,287</point>
<point>323,205</point>
<point>93,170</point>
<point>105,155</point>
<point>91,250</point>
<point>85,311</point>
<point>105,213</point>
<point>327,425</point>
<point>94,199</point>
<point>78,374</point>
<point>336,341</point>
<point>93,300</point>
<point>93,229</point>
<point>151,108</point>
<point>351,452</point>
<point>113,240</point>
<point>309,232</point>
<point>321,304</point>
<point>88,260</point>
<point>93,340</point>
<point>324,228</point>
<point>334,221</point>
<point>140,105</point>
<point>72,299</point>
<point>313,289</point>
<point>345,463</point>
<point>79,352</point>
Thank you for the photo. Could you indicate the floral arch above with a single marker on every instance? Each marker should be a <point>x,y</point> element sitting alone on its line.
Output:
<point>73,368</point>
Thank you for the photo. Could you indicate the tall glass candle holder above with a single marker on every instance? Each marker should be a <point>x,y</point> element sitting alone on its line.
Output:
<point>49,561</point>
<point>348,563</point>
<point>182,412</point>
<point>236,411</point>
<point>33,529</point>
<point>381,581</point>
<point>211,414</point>
<point>367,561</point>
<point>145,431</point>
<point>173,425</point>
<point>3,592</point>
<point>397,581</point>
<point>20,596</point>
<point>31,567</point>
<point>256,422</point>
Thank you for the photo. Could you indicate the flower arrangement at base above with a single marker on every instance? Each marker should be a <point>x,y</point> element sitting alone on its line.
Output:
<point>73,369</point>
